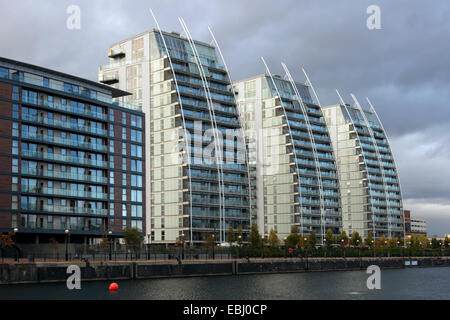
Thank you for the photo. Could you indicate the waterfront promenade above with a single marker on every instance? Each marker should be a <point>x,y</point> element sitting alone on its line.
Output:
<point>52,271</point>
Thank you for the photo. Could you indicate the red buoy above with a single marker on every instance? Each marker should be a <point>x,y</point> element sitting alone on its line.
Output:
<point>113,287</point>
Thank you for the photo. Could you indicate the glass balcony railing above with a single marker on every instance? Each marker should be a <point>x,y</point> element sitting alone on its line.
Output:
<point>64,192</point>
<point>64,175</point>
<point>66,209</point>
<point>64,125</point>
<point>52,139</point>
<point>64,158</point>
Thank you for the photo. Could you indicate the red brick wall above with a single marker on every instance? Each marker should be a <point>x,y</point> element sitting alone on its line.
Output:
<point>5,90</point>
<point>5,109</point>
<point>5,217</point>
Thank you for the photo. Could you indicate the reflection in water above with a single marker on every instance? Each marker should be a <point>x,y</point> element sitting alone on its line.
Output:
<point>416,283</point>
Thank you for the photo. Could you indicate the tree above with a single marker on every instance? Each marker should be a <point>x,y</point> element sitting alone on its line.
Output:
<point>355,239</point>
<point>393,242</point>
<point>312,239</point>
<point>447,242</point>
<point>231,237</point>
<point>343,239</point>
<point>6,241</point>
<point>273,239</point>
<point>382,242</point>
<point>133,238</point>
<point>369,240</point>
<point>293,240</point>
<point>329,238</point>
<point>255,238</point>
<point>209,241</point>
<point>240,235</point>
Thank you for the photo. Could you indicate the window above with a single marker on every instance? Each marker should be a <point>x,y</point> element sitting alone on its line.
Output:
<point>124,148</point>
<point>136,135</point>
<point>111,115</point>
<point>124,133</point>
<point>111,193</point>
<point>15,94</point>
<point>136,151</point>
<point>15,147</point>
<point>15,165</point>
<point>136,195</point>
<point>111,209</point>
<point>4,72</point>
<point>15,111</point>
<point>136,121</point>
<point>124,194</point>
<point>15,183</point>
<point>111,146</point>
<point>124,179</point>
<point>111,162</point>
<point>14,202</point>
<point>124,163</point>
<point>124,118</point>
<point>124,210</point>
<point>111,130</point>
<point>111,178</point>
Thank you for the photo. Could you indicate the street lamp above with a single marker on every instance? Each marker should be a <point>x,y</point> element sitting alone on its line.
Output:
<point>67,232</point>
<point>285,247</point>
<point>182,246</point>
<point>262,247</point>
<point>343,247</point>
<point>15,240</point>
<point>239,245</point>
<point>214,244</point>
<point>110,244</point>
<point>148,246</point>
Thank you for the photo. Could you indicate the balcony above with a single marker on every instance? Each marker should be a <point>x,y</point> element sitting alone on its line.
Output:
<point>116,53</point>
<point>109,79</point>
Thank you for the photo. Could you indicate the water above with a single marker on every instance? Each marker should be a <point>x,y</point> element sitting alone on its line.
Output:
<point>414,283</point>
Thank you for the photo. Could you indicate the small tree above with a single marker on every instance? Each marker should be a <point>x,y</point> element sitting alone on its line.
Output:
<point>382,242</point>
<point>312,239</point>
<point>343,239</point>
<point>329,238</point>
<point>273,239</point>
<point>6,241</point>
<point>293,240</point>
<point>240,235</point>
<point>369,240</point>
<point>209,241</point>
<point>231,237</point>
<point>133,238</point>
<point>355,239</point>
<point>255,238</point>
<point>393,242</point>
<point>447,242</point>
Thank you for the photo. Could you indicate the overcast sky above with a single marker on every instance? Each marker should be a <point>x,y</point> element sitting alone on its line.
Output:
<point>402,67</point>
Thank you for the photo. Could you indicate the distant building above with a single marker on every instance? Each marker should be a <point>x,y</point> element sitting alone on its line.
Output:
<point>418,226</point>
<point>414,225</point>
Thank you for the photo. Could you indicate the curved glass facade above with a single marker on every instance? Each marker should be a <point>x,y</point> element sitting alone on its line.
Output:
<point>291,154</point>
<point>371,197</point>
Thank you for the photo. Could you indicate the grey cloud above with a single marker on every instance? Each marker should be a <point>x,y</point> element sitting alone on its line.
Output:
<point>403,67</point>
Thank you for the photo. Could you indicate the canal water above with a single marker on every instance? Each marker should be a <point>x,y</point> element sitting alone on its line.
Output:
<point>411,283</point>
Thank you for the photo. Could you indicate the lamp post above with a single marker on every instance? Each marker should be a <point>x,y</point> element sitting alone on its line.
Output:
<point>148,246</point>
<point>15,240</point>
<point>110,244</point>
<point>285,247</point>
<point>239,245</point>
<point>262,247</point>
<point>343,247</point>
<point>214,244</point>
<point>182,246</point>
<point>359,248</point>
<point>67,232</point>
<point>373,247</point>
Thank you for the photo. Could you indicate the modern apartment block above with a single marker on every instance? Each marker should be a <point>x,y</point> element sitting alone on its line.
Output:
<point>71,160</point>
<point>291,156</point>
<point>185,93</point>
<point>370,189</point>
<point>414,225</point>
